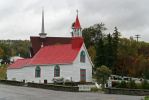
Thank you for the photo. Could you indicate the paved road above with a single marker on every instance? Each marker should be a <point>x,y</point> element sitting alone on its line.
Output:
<point>25,93</point>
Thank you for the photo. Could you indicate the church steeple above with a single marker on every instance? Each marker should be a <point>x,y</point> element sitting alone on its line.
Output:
<point>77,22</point>
<point>76,27</point>
<point>42,34</point>
<point>42,29</point>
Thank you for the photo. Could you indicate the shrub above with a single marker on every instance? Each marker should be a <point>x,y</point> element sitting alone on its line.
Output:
<point>145,84</point>
<point>102,74</point>
<point>132,84</point>
<point>123,84</point>
<point>139,85</point>
<point>115,84</point>
<point>3,74</point>
<point>94,89</point>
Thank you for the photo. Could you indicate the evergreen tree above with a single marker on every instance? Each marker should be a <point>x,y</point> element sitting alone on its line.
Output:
<point>109,52</point>
<point>115,42</point>
<point>100,57</point>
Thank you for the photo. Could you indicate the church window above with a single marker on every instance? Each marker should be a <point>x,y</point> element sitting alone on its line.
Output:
<point>56,71</point>
<point>82,57</point>
<point>37,71</point>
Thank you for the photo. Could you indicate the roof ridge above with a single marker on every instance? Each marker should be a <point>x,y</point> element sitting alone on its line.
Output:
<point>22,59</point>
<point>57,45</point>
<point>52,37</point>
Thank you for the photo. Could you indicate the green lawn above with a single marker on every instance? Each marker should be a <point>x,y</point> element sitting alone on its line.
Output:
<point>146,98</point>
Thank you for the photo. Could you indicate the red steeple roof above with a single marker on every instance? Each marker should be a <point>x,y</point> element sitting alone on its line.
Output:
<point>77,23</point>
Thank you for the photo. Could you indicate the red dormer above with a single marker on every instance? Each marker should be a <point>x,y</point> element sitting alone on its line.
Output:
<point>76,42</point>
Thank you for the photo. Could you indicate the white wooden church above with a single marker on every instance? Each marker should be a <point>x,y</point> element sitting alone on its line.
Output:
<point>54,57</point>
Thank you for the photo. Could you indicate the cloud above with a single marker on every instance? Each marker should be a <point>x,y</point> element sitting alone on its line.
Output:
<point>21,19</point>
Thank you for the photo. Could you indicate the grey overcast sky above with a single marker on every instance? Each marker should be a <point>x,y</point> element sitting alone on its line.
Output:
<point>20,19</point>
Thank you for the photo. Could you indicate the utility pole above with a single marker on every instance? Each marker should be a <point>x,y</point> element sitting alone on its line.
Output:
<point>137,37</point>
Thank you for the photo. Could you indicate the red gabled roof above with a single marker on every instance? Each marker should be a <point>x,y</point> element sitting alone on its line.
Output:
<point>53,54</point>
<point>19,63</point>
<point>56,54</point>
<point>77,23</point>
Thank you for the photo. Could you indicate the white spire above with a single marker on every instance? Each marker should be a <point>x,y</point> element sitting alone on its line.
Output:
<point>42,28</point>
<point>42,34</point>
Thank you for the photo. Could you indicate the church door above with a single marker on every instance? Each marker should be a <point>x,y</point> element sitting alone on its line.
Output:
<point>82,75</point>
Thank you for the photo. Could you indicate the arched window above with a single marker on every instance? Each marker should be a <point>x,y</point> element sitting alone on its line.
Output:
<point>82,57</point>
<point>37,71</point>
<point>56,71</point>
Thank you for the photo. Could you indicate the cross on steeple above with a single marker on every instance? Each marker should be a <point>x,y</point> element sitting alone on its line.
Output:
<point>77,11</point>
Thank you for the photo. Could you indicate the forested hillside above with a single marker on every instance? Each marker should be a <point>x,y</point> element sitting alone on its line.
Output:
<point>123,56</point>
<point>9,48</point>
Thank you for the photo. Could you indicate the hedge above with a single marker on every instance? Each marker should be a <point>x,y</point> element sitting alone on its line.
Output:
<point>17,83</point>
<point>54,87</point>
